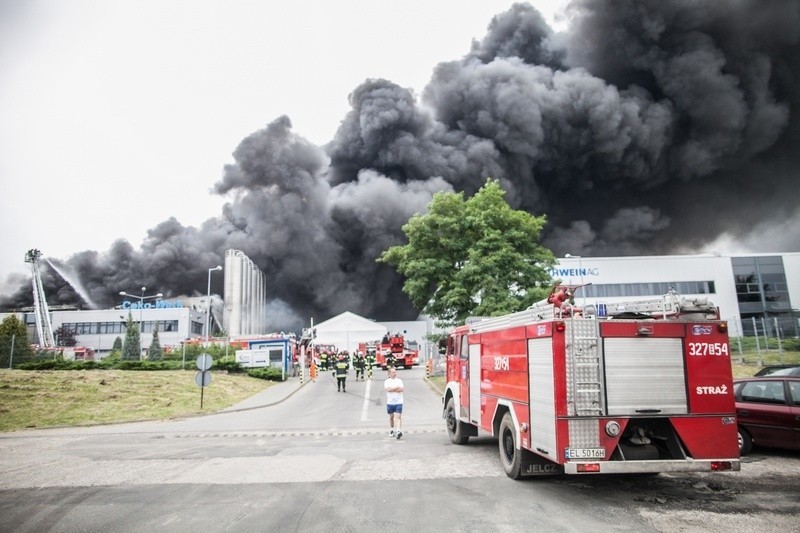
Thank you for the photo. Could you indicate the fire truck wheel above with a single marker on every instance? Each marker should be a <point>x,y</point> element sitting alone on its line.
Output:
<point>455,428</point>
<point>510,454</point>
<point>745,442</point>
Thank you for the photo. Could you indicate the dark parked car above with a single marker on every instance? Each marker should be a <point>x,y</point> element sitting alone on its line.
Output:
<point>793,371</point>
<point>784,370</point>
<point>768,412</point>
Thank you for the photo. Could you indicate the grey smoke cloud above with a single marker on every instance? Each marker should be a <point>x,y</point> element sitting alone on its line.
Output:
<point>647,127</point>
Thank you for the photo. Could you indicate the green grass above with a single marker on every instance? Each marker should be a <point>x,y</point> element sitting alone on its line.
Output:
<point>765,358</point>
<point>750,354</point>
<point>438,383</point>
<point>47,398</point>
<point>744,370</point>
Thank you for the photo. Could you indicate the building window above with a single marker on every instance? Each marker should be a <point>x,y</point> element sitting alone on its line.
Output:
<point>622,290</point>
<point>80,328</point>
<point>168,325</point>
<point>763,296</point>
<point>110,328</point>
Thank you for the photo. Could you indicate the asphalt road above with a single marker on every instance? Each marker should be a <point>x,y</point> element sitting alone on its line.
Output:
<point>323,461</point>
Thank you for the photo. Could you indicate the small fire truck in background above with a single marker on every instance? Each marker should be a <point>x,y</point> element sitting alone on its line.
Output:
<point>394,349</point>
<point>635,387</point>
<point>370,349</point>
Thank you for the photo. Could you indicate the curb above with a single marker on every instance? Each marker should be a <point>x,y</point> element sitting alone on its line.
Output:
<point>434,386</point>
<point>261,406</point>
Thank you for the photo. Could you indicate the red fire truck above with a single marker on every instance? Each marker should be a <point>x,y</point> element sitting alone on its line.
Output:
<point>369,349</point>
<point>71,353</point>
<point>635,387</point>
<point>394,347</point>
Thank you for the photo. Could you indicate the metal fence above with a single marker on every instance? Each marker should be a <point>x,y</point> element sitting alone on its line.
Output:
<point>784,327</point>
<point>764,341</point>
<point>12,350</point>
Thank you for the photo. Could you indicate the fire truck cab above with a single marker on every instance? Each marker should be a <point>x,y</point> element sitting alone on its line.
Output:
<point>639,387</point>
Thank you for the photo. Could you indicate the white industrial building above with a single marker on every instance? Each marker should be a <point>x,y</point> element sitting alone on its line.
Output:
<point>245,296</point>
<point>760,291</point>
<point>178,320</point>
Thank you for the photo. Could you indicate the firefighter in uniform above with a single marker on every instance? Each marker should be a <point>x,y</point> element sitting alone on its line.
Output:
<point>340,368</point>
<point>370,361</point>
<point>359,363</point>
<point>323,360</point>
<point>333,360</point>
<point>390,361</point>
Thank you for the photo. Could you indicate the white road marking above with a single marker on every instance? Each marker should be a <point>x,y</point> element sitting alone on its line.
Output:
<point>365,405</point>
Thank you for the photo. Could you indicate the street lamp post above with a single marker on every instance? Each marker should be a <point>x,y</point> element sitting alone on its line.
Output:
<point>208,302</point>
<point>580,269</point>
<point>141,299</point>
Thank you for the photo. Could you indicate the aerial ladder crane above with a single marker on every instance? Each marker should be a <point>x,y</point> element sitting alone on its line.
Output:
<point>44,328</point>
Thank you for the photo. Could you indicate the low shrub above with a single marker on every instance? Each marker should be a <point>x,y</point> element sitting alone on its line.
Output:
<point>269,373</point>
<point>103,364</point>
<point>228,364</point>
<point>146,365</point>
<point>47,364</point>
<point>58,364</point>
<point>791,345</point>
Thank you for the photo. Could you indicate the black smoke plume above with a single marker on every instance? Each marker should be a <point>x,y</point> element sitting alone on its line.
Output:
<point>648,127</point>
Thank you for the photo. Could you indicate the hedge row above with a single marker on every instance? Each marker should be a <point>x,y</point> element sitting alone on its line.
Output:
<point>269,373</point>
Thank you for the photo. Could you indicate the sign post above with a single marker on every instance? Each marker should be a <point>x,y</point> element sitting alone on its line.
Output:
<point>203,378</point>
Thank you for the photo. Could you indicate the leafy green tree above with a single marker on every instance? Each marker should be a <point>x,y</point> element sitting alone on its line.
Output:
<point>12,325</point>
<point>14,333</point>
<point>155,353</point>
<point>132,345</point>
<point>472,257</point>
<point>65,337</point>
<point>116,350</point>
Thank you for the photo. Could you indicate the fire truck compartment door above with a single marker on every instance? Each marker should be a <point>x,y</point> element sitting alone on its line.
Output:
<point>475,383</point>
<point>542,395</point>
<point>645,375</point>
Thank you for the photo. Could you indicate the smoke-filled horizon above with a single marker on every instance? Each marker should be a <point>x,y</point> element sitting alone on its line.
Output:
<point>647,127</point>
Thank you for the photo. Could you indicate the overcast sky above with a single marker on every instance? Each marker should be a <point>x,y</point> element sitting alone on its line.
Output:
<point>118,114</point>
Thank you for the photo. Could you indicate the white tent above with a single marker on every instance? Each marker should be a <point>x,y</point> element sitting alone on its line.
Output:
<point>347,330</point>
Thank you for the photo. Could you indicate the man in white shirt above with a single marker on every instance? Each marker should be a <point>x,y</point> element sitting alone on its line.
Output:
<point>394,402</point>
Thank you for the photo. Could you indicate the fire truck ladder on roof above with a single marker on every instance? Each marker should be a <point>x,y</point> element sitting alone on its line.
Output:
<point>584,368</point>
<point>532,314</point>
<point>44,328</point>
<point>671,304</point>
